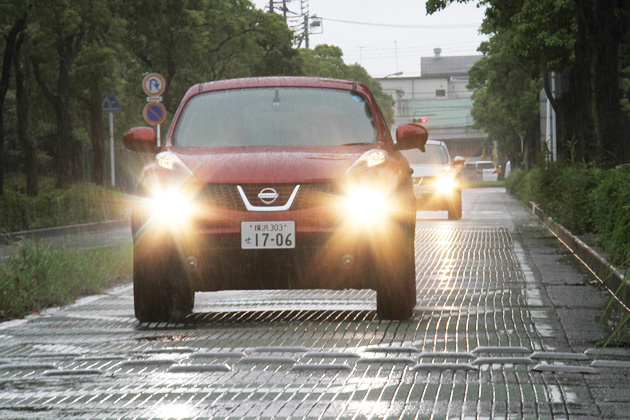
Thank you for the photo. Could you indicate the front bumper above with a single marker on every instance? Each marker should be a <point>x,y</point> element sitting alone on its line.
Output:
<point>330,251</point>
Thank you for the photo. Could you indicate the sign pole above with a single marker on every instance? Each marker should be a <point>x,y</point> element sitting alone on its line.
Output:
<point>111,105</point>
<point>111,147</point>
<point>158,135</point>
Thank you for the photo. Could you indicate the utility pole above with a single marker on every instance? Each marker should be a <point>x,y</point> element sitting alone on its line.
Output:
<point>306,31</point>
<point>301,22</point>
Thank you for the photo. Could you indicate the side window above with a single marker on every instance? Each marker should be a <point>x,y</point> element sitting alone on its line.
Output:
<point>440,93</point>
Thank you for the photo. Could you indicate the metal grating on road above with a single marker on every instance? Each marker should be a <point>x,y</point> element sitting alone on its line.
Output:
<point>473,349</point>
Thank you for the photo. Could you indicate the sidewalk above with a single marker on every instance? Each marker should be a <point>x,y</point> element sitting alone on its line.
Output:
<point>610,276</point>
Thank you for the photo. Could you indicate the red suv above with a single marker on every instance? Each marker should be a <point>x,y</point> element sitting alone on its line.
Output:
<point>274,183</point>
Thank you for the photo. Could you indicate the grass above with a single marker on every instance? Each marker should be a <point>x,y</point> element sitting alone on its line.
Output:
<point>483,184</point>
<point>39,276</point>
<point>81,203</point>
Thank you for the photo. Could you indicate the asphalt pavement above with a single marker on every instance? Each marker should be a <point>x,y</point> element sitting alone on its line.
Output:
<point>507,325</point>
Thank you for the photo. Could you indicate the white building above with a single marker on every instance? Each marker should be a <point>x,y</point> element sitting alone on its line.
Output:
<point>439,100</point>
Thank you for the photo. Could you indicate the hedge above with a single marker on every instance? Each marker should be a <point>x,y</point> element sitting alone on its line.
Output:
<point>583,199</point>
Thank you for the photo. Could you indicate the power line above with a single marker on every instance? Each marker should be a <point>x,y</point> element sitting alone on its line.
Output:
<point>388,25</point>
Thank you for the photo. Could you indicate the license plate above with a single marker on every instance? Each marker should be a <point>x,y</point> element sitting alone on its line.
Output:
<point>267,235</point>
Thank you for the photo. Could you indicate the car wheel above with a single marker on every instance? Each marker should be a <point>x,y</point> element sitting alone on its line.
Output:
<point>161,289</point>
<point>396,286</point>
<point>455,207</point>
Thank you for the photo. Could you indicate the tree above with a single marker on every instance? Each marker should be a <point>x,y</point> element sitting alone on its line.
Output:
<point>327,61</point>
<point>203,40</point>
<point>580,41</point>
<point>59,34</point>
<point>96,73</point>
<point>23,73</point>
<point>505,101</point>
<point>12,22</point>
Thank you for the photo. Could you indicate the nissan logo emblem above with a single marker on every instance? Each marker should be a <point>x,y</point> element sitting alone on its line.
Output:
<point>268,195</point>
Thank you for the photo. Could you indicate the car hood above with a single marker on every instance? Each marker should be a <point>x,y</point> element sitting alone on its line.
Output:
<point>421,171</point>
<point>269,164</point>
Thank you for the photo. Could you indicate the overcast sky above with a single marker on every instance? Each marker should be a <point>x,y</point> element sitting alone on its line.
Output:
<point>383,46</point>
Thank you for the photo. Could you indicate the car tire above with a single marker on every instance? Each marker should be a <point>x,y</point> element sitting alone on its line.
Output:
<point>396,287</point>
<point>161,289</point>
<point>455,206</point>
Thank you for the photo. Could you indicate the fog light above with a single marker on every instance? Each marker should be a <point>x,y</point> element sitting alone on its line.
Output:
<point>192,263</point>
<point>347,260</point>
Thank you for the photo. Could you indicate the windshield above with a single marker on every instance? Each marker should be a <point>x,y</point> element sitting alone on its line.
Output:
<point>434,155</point>
<point>284,116</point>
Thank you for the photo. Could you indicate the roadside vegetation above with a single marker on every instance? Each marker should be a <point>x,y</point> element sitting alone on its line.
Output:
<point>81,203</point>
<point>39,276</point>
<point>584,199</point>
<point>588,200</point>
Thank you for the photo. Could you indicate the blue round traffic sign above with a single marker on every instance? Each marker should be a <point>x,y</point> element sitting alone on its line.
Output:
<point>154,113</point>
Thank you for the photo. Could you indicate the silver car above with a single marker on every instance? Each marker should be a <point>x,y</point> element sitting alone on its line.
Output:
<point>436,183</point>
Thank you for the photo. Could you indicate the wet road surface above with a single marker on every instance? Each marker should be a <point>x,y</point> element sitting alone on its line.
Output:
<point>506,326</point>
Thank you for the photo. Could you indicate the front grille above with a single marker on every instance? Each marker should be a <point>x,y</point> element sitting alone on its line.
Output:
<point>310,194</point>
<point>224,196</point>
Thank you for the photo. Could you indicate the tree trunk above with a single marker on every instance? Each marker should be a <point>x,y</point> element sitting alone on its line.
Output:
<point>607,101</point>
<point>608,23</point>
<point>22,91</point>
<point>9,51</point>
<point>98,142</point>
<point>65,146</point>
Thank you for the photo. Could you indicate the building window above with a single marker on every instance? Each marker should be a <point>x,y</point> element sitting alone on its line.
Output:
<point>440,93</point>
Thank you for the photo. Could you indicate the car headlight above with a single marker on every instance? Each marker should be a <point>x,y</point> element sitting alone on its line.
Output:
<point>369,159</point>
<point>172,162</point>
<point>445,184</point>
<point>365,205</point>
<point>170,206</point>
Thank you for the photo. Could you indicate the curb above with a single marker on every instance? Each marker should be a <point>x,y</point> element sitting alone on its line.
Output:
<point>605,272</point>
<point>12,237</point>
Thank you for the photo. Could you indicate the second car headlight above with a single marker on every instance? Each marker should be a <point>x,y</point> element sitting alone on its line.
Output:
<point>445,184</point>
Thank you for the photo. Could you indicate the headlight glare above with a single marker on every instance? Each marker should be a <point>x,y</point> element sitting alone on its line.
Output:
<point>445,184</point>
<point>366,205</point>
<point>171,206</point>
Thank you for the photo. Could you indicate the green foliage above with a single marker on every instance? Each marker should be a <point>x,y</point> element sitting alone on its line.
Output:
<point>327,61</point>
<point>611,211</point>
<point>584,199</point>
<point>82,203</point>
<point>38,276</point>
<point>505,97</point>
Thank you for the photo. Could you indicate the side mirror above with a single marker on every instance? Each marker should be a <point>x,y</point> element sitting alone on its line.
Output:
<point>411,136</point>
<point>458,161</point>
<point>140,139</point>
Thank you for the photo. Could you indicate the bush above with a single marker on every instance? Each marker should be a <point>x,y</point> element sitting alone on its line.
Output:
<point>82,203</point>
<point>584,199</point>
<point>611,212</point>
